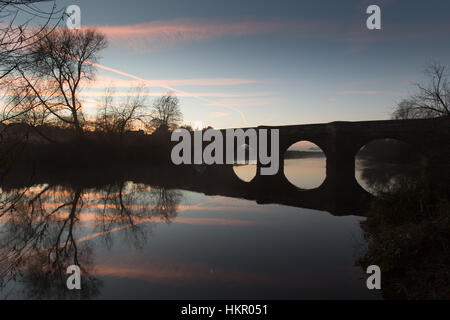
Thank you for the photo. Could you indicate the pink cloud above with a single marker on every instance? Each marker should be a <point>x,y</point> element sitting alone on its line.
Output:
<point>166,33</point>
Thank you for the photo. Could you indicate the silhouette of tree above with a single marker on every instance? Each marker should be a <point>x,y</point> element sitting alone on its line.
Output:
<point>117,118</point>
<point>48,79</point>
<point>16,35</point>
<point>166,112</point>
<point>432,99</point>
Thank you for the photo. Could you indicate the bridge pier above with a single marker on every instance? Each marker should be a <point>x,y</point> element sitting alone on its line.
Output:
<point>340,183</point>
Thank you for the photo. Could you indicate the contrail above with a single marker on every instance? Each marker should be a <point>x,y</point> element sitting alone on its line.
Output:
<point>129,75</point>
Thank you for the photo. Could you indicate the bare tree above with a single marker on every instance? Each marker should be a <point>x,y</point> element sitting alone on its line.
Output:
<point>119,117</point>
<point>50,76</point>
<point>22,23</point>
<point>16,32</point>
<point>432,99</point>
<point>166,112</point>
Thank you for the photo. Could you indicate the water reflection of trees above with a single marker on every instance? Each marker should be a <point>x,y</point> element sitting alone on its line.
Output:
<point>129,204</point>
<point>386,164</point>
<point>43,231</point>
<point>387,176</point>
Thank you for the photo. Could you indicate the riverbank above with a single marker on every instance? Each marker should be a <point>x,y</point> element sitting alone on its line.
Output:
<point>408,234</point>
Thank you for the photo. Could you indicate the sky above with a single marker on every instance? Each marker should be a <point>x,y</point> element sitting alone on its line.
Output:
<point>240,63</point>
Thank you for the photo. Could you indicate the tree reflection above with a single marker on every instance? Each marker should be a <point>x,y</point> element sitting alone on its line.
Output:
<point>128,206</point>
<point>38,241</point>
<point>43,231</point>
<point>385,176</point>
<point>386,164</point>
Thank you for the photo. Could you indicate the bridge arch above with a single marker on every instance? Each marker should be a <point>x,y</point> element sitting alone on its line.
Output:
<point>304,165</point>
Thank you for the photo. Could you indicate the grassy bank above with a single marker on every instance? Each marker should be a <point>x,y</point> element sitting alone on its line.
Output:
<point>408,233</point>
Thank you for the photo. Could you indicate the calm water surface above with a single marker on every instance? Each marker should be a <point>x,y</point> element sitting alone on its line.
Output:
<point>144,242</point>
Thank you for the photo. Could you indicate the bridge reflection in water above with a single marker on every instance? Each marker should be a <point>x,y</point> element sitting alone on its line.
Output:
<point>221,180</point>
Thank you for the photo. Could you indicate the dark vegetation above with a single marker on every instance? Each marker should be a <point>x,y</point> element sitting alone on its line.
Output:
<point>408,225</point>
<point>93,150</point>
<point>408,237</point>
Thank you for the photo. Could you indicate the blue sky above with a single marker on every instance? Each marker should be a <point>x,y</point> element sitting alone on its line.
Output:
<point>249,63</point>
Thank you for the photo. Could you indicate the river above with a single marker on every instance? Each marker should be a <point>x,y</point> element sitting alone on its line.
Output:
<point>141,241</point>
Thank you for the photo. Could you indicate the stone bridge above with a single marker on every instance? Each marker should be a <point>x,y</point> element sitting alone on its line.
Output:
<point>340,193</point>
